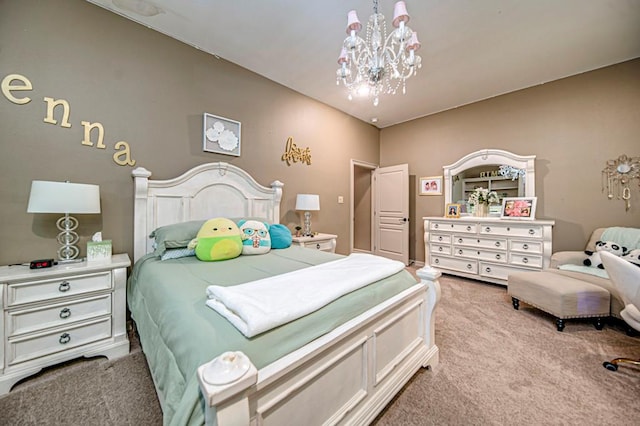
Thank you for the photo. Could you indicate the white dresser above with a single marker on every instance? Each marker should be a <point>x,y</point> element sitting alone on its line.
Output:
<point>60,313</point>
<point>487,249</point>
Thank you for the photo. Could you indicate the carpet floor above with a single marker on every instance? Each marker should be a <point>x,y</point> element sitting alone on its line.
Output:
<point>498,366</point>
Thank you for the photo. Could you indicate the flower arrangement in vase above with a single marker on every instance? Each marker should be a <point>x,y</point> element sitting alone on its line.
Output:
<point>480,198</point>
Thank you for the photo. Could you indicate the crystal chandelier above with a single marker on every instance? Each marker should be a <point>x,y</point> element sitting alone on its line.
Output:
<point>380,63</point>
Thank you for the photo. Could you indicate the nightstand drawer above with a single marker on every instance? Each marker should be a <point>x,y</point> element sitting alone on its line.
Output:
<point>34,291</point>
<point>320,245</point>
<point>35,319</point>
<point>29,347</point>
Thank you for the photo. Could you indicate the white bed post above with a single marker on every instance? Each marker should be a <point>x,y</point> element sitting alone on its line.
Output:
<point>141,187</point>
<point>429,277</point>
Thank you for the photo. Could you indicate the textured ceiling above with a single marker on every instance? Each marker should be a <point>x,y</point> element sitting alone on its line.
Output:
<point>471,49</point>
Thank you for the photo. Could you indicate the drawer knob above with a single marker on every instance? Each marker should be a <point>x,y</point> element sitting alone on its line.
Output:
<point>525,260</point>
<point>508,228</point>
<point>488,269</point>
<point>64,338</point>
<point>440,238</point>
<point>460,252</point>
<point>460,240</point>
<point>65,313</point>
<point>439,248</point>
<point>498,256</point>
<point>531,232</point>
<point>318,246</point>
<point>436,261</point>
<point>468,228</point>
<point>525,246</point>
<point>469,266</point>
<point>488,229</point>
<point>497,243</point>
<point>435,226</point>
<point>64,286</point>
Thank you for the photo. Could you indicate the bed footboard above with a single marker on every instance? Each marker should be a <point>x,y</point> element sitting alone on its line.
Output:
<point>345,377</point>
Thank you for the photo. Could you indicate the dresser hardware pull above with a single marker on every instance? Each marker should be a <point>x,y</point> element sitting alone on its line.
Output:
<point>439,248</point>
<point>318,246</point>
<point>440,238</point>
<point>525,260</point>
<point>488,229</point>
<point>459,251</point>
<point>469,266</point>
<point>64,338</point>
<point>508,228</point>
<point>436,261</point>
<point>525,246</point>
<point>435,226</point>
<point>64,286</point>
<point>468,228</point>
<point>460,240</point>
<point>488,269</point>
<point>531,232</point>
<point>497,243</point>
<point>498,256</point>
<point>65,313</point>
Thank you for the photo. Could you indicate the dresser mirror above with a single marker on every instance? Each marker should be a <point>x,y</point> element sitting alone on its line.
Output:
<point>509,174</point>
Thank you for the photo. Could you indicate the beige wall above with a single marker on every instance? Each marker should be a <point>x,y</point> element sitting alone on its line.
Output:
<point>572,126</point>
<point>150,91</point>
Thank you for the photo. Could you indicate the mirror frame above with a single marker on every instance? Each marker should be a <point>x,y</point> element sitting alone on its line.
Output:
<point>491,157</point>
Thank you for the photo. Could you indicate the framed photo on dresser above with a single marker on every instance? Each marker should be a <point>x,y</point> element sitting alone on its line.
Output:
<point>452,210</point>
<point>522,208</point>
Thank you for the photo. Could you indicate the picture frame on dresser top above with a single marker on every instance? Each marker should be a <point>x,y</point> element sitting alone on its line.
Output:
<point>519,208</point>
<point>452,210</point>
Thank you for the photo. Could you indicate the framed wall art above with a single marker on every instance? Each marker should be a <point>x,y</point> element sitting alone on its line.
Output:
<point>431,185</point>
<point>221,135</point>
<point>523,208</point>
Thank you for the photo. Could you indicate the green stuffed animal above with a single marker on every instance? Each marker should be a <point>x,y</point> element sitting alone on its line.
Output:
<point>218,239</point>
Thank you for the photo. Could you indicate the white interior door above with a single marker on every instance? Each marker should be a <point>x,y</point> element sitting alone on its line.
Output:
<point>391,212</point>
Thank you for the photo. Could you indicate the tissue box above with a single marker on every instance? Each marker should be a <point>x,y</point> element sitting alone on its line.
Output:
<point>98,250</point>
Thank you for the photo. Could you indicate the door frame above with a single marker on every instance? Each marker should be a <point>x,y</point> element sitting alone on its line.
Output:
<point>364,165</point>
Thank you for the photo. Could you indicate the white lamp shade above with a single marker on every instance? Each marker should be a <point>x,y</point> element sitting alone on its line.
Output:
<point>63,197</point>
<point>307,202</point>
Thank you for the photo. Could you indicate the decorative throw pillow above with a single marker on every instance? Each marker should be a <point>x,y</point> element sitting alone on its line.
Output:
<point>280,236</point>
<point>177,235</point>
<point>255,237</point>
<point>217,239</point>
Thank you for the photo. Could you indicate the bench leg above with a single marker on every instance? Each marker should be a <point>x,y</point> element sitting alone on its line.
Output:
<point>515,302</point>
<point>560,324</point>
<point>599,324</point>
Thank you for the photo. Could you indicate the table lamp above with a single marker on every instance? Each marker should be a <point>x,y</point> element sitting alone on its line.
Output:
<point>65,197</point>
<point>307,203</point>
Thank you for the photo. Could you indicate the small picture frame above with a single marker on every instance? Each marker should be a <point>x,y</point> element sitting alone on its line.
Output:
<point>520,208</point>
<point>431,185</point>
<point>221,135</point>
<point>452,210</point>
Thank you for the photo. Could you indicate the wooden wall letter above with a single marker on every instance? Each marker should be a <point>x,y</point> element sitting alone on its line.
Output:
<point>7,88</point>
<point>51,104</point>
<point>125,152</point>
<point>295,154</point>
<point>87,134</point>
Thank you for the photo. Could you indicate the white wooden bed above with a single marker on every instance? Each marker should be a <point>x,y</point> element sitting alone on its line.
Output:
<point>344,377</point>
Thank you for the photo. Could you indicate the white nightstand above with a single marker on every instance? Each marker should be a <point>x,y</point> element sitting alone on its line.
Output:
<point>324,242</point>
<point>60,313</point>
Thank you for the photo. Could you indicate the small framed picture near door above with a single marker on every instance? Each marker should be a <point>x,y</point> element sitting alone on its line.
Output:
<point>221,135</point>
<point>431,185</point>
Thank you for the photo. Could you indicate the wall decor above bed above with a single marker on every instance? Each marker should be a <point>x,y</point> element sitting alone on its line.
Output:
<point>221,135</point>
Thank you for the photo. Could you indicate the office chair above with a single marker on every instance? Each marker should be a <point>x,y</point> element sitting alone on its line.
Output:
<point>625,277</point>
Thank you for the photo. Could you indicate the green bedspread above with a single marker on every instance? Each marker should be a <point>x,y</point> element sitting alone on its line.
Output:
<point>178,332</point>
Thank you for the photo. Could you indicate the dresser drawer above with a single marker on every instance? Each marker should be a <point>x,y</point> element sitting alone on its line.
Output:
<point>469,228</point>
<point>464,265</point>
<point>440,238</point>
<point>514,230</point>
<point>440,249</point>
<point>526,246</point>
<point>29,347</point>
<point>320,245</point>
<point>531,261</point>
<point>35,319</point>
<point>474,241</point>
<point>34,291</point>
<point>480,254</point>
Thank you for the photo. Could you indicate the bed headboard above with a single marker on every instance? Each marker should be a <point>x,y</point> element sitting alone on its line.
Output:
<point>206,191</point>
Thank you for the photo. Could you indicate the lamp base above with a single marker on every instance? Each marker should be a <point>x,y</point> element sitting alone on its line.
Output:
<point>67,238</point>
<point>306,232</point>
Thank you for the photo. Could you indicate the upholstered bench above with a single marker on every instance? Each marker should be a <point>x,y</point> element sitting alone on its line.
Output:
<point>559,295</point>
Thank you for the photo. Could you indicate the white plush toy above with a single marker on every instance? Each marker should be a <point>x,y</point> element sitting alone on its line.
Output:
<point>633,256</point>
<point>594,257</point>
<point>255,237</point>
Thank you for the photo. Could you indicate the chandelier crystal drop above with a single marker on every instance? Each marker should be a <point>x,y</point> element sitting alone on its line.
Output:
<point>380,63</point>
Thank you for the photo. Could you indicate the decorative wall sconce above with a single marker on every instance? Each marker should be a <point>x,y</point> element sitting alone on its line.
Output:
<point>618,175</point>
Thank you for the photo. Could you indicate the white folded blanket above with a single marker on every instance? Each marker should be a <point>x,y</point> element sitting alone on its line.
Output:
<point>261,305</point>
